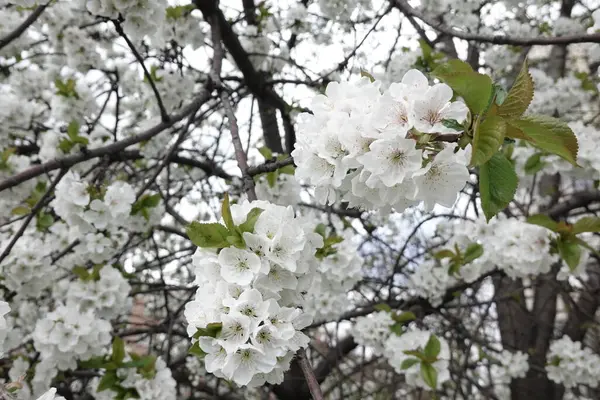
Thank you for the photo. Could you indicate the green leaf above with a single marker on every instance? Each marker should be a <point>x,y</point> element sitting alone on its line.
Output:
<point>543,220</point>
<point>397,328</point>
<point>473,252</point>
<point>208,235</point>
<point>383,307</point>
<point>82,273</point>
<point>519,96</point>
<point>148,371</point>
<point>432,348</point>
<point>251,218</point>
<point>569,251</point>
<point>287,170</point>
<point>367,74</point>
<point>73,129</point>
<point>499,95</point>
<point>429,375</point>
<point>487,139</point>
<point>93,363</point>
<point>118,350</point>
<point>144,203</point>
<point>44,221</point>
<point>585,245</point>
<point>473,87</point>
<point>404,317</point>
<point>497,184</point>
<point>212,330</point>
<point>21,210</point>
<point>139,362</point>
<point>321,229</point>
<point>109,380</point>
<point>534,164</point>
<point>196,350</point>
<point>453,124</point>
<point>266,152</point>
<point>548,134</point>
<point>226,213</point>
<point>440,255</point>
<point>586,224</point>
<point>415,353</point>
<point>409,362</point>
<point>272,178</point>
<point>176,12</point>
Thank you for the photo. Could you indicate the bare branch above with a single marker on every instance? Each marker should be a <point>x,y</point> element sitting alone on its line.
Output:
<point>32,214</point>
<point>110,150</point>
<point>407,10</point>
<point>5,41</point>
<point>163,111</point>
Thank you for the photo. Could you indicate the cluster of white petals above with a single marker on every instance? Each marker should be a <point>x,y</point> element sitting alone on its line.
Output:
<point>373,331</point>
<point>159,386</point>
<point>109,295</point>
<point>254,292</point>
<point>67,335</point>
<point>510,366</point>
<point>516,247</point>
<point>142,17</point>
<point>4,309</point>
<point>571,364</point>
<point>359,145</point>
<point>411,340</point>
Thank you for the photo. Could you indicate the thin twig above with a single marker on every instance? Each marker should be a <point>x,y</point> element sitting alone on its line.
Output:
<point>5,41</point>
<point>32,214</point>
<point>111,149</point>
<point>270,166</point>
<point>311,380</point>
<point>240,154</point>
<point>163,111</point>
<point>407,10</point>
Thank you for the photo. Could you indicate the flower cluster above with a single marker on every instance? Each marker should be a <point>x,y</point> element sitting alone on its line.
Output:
<point>373,331</point>
<point>334,278</point>
<point>142,17</point>
<point>159,385</point>
<point>108,295</point>
<point>247,295</point>
<point>518,248</point>
<point>510,366</point>
<point>416,340</point>
<point>571,364</point>
<point>50,395</point>
<point>430,281</point>
<point>67,335</point>
<point>363,144</point>
<point>4,309</point>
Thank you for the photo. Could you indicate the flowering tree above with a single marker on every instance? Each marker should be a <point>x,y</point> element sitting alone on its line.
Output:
<point>361,199</point>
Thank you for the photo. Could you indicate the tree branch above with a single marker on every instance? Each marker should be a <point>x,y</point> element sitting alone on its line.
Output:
<point>32,214</point>
<point>407,10</point>
<point>5,41</point>
<point>163,111</point>
<point>111,150</point>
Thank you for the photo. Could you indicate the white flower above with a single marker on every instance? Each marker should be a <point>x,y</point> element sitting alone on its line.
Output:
<point>50,395</point>
<point>248,360</point>
<point>238,266</point>
<point>4,309</point>
<point>236,330</point>
<point>251,304</point>
<point>434,106</point>
<point>441,180</point>
<point>119,197</point>
<point>216,354</point>
<point>391,160</point>
<point>413,340</point>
